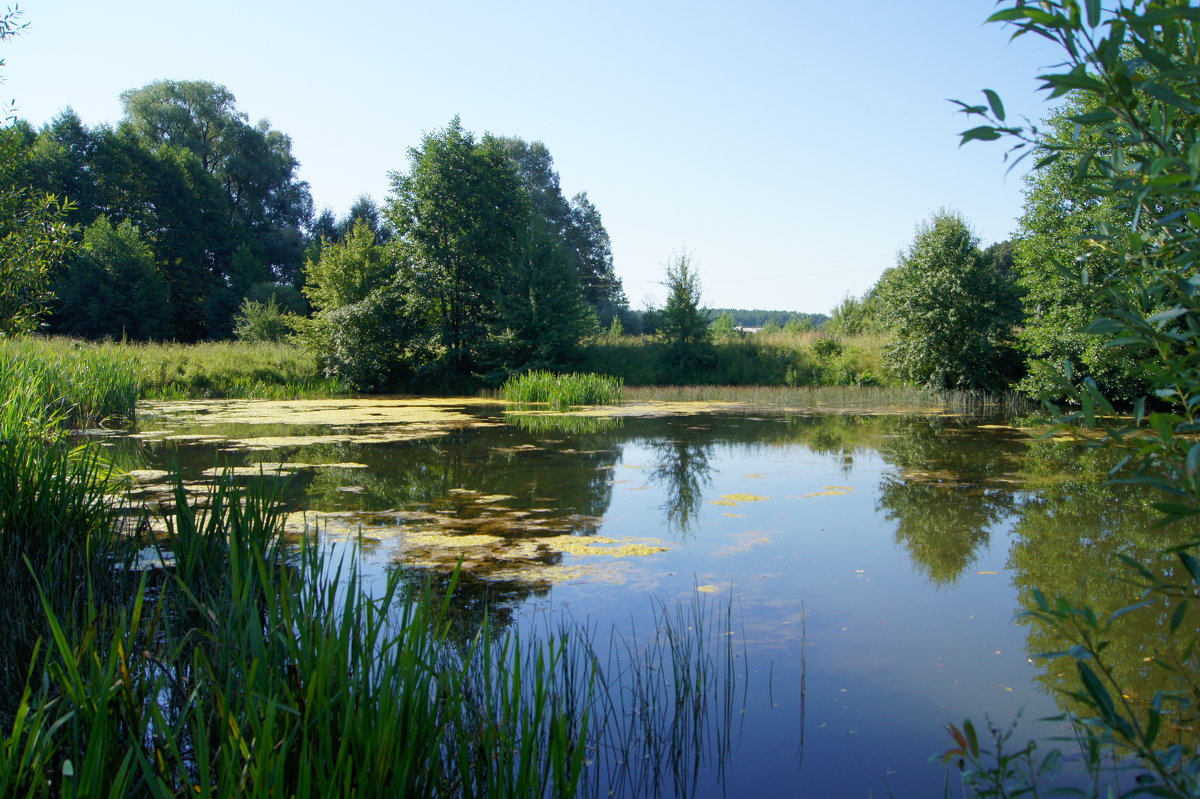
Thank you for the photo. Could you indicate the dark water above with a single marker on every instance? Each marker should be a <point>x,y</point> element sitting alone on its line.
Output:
<point>888,553</point>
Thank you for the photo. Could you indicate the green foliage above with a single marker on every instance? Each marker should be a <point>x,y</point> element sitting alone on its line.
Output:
<point>944,305</point>
<point>460,213</point>
<point>684,323</point>
<point>1062,211</point>
<point>373,344</point>
<point>215,197</point>
<point>615,329</point>
<point>562,390</point>
<point>34,239</point>
<point>348,270</point>
<point>722,328</point>
<point>757,317</point>
<point>364,329</point>
<point>542,309</point>
<point>857,315</point>
<point>1137,154</point>
<point>263,321</point>
<point>112,288</point>
<point>760,359</point>
<point>482,277</point>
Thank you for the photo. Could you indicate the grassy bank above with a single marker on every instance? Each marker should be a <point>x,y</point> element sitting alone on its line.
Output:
<point>193,371</point>
<point>228,665</point>
<point>763,359</point>
<point>285,371</point>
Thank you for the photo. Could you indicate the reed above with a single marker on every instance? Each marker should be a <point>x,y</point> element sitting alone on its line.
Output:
<point>77,386</point>
<point>236,669</point>
<point>846,399</point>
<point>562,390</point>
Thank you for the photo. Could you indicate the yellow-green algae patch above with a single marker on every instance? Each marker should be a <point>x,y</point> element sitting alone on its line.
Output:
<point>328,421</point>
<point>730,500</point>
<point>830,491</point>
<point>374,411</point>
<point>499,544</point>
<point>148,475</point>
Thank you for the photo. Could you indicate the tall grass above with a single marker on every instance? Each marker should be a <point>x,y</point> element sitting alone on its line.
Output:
<point>562,390</point>
<point>264,370</point>
<point>235,671</point>
<point>764,359</point>
<point>77,386</point>
<point>842,398</point>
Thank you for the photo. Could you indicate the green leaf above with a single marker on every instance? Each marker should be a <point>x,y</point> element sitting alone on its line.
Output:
<point>1177,616</point>
<point>983,133</point>
<point>1100,117</point>
<point>1065,82</point>
<point>1192,567</point>
<point>1193,460</point>
<point>1093,13</point>
<point>1160,15</point>
<point>1128,609</point>
<point>1153,723</point>
<point>1167,315</point>
<point>994,101</point>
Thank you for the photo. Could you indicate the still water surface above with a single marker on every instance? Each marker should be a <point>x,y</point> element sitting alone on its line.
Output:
<point>883,557</point>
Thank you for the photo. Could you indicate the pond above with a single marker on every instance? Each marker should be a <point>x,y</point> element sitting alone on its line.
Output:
<point>873,562</point>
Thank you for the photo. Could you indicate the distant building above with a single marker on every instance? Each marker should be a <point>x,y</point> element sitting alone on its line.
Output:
<point>741,329</point>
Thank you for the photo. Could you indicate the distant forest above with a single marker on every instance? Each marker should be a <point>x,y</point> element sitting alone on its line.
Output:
<point>756,317</point>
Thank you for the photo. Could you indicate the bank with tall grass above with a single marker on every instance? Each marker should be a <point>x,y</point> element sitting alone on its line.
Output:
<point>207,370</point>
<point>760,359</point>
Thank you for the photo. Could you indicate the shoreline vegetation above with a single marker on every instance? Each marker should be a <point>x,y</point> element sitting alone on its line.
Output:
<point>98,382</point>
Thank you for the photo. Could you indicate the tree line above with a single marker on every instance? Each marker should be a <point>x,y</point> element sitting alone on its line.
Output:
<point>185,220</point>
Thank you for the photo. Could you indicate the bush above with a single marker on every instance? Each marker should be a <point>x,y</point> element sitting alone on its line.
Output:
<point>259,321</point>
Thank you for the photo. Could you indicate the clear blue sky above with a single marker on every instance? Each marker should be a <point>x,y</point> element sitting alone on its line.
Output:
<point>791,147</point>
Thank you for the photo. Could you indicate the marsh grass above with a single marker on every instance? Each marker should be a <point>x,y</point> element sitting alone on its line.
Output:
<point>562,390</point>
<point>216,370</point>
<point>761,359</point>
<point>77,386</point>
<point>239,669</point>
<point>846,399</point>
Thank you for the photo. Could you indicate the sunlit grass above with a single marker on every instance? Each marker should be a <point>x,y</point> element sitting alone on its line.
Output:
<point>226,369</point>
<point>562,390</point>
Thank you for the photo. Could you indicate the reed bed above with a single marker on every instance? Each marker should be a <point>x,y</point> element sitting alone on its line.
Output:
<point>562,390</point>
<point>77,386</point>
<point>864,399</point>
<point>761,359</point>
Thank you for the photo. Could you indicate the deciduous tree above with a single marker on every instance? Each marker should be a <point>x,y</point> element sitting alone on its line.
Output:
<point>944,305</point>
